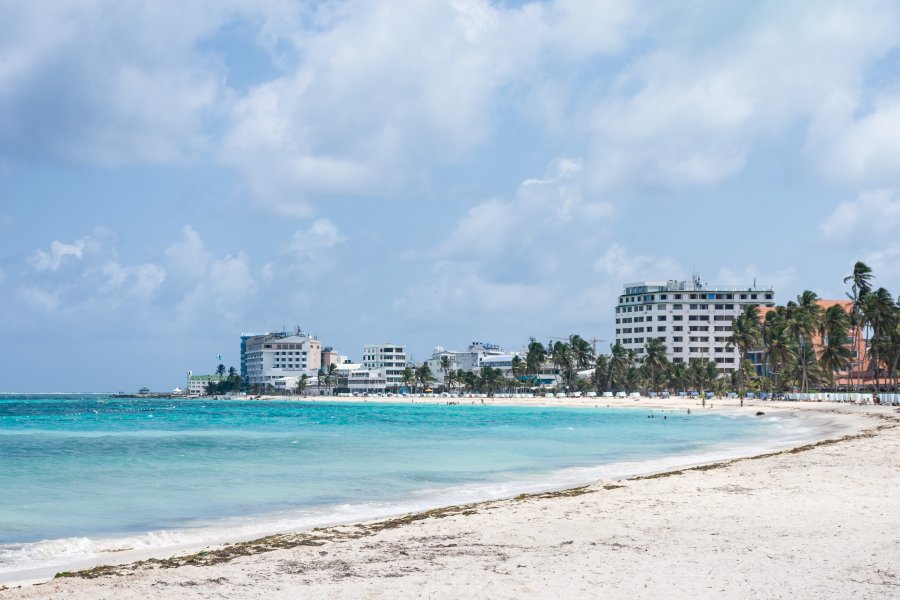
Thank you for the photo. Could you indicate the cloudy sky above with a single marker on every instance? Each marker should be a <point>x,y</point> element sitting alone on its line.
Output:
<point>427,172</point>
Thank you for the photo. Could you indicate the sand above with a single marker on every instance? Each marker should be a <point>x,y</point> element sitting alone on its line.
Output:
<point>819,521</point>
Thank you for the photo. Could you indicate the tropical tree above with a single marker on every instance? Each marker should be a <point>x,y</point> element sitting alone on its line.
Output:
<point>655,363</point>
<point>220,370</point>
<point>600,376</point>
<point>880,313</point>
<point>424,376</point>
<point>582,352</point>
<point>802,322</point>
<point>408,378</point>
<point>860,287</point>
<point>778,344</point>
<point>620,363</point>
<point>746,335</point>
<point>535,357</point>
<point>302,382</point>
<point>446,366</point>
<point>679,376</point>
<point>563,362</point>
<point>517,368</point>
<point>833,330</point>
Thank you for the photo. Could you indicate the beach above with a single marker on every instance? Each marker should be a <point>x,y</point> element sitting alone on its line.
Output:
<point>817,521</point>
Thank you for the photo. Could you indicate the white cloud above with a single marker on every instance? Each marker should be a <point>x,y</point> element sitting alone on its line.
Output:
<point>885,263</point>
<point>189,257</point>
<point>39,299</point>
<point>222,296</point>
<point>874,211</point>
<point>618,263</point>
<point>139,282</point>
<point>322,235</point>
<point>53,259</point>
<point>780,279</point>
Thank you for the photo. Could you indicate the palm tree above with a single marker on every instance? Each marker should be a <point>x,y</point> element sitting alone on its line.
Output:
<point>880,313</point>
<point>678,376</point>
<point>563,361</point>
<point>779,346</point>
<point>600,376</point>
<point>517,368</point>
<point>619,364</point>
<point>220,370</point>
<point>446,365</point>
<point>582,352</point>
<point>408,378</point>
<point>535,358</point>
<point>860,287</point>
<point>833,329</point>
<point>802,319</point>
<point>321,378</point>
<point>302,382</point>
<point>424,376</point>
<point>746,335</point>
<point>331,377</point>
<point>655,362</point>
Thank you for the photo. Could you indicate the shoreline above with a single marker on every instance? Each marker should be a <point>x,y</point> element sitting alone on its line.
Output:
<point>843,426</point>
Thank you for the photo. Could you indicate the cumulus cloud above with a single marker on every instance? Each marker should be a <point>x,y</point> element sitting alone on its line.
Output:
<point>309,244</point>
<point>189,257</point>
<point>779,279</point>
<point>618,262</point>
<point>874,211</point>
<point>139,281</point>
<point>53,259</point>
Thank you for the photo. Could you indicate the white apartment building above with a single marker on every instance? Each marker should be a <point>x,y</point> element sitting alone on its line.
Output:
<point>269,357</point>
<point>470,360</point>
<point>692,319</point>
<point>390,359</point>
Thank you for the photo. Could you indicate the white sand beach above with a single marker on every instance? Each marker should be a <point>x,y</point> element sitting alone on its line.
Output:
<point>818,521</point>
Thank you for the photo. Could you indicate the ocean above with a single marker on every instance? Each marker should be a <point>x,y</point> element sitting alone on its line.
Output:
<point>82,477</point>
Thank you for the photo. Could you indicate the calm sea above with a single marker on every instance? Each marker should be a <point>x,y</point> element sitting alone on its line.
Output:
<point>85,475</point>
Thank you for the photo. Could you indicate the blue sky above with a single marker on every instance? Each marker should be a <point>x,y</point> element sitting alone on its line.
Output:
<point>427,173</point>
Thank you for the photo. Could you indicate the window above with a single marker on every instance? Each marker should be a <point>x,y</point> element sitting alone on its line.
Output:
<point>693,296</point>
<point>694,306</point>
<point>662,297</point>
<point>753,296</point>
<point>677,349</point>
<point>677,306</point>
<point>661,318</point>
<point>678,296</point>
<point>678,328</point>
<point>678,317</point>
<point>661,328</point>
<point>743,296</point>
<point>678,338</point>
<point>768,296</point>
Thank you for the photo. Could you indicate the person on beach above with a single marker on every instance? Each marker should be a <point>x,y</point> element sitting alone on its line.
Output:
<point>742,402</point>
<point>704,403</point>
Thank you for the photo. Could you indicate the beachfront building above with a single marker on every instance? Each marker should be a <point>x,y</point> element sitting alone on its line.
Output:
<point>196,384</point>
<point>390,359</point>
<point>691,318</point>
<point>859,370</point>
<point>470,360</point>
<point>268,357</point>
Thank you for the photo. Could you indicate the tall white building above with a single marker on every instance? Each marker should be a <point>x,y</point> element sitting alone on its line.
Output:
<point>690,317</point>
<point>390,359</point>
<point>470,360</point>
<point>269,357</point>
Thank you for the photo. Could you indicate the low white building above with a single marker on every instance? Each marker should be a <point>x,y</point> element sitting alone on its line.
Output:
<point>196,384</point>
<point>470,360</point>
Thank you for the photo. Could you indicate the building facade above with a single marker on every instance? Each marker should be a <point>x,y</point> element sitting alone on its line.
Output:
<point>691,318</point>
<point>470,360</point>
<point>266,358</point>
<point>196,384</point>
<point>390,359</point>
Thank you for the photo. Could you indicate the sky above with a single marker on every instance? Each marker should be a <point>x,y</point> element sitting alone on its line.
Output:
<point>421,172</point>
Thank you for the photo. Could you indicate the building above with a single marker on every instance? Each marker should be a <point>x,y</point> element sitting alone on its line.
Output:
<point>268,357</point>
<point>196,384</point>
<point>691,318</point>
<point>330,357</point>
<point>390,359</point>
<point>353,378</point>
<point>858,370</point>
<point>470,360</point>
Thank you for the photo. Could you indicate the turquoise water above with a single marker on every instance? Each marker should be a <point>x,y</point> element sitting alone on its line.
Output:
<point>82,475</point>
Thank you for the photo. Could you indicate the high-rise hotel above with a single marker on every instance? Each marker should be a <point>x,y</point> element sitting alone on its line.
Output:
<point>691,318</point>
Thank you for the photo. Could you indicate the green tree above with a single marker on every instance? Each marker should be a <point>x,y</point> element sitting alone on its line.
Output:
<point>446,366</point>
<point>834,330</point>
<point>302,383</point>
<point>656,363</point>
<point>408,378</point>
<point>860,287</point>
<point>535,357</point>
